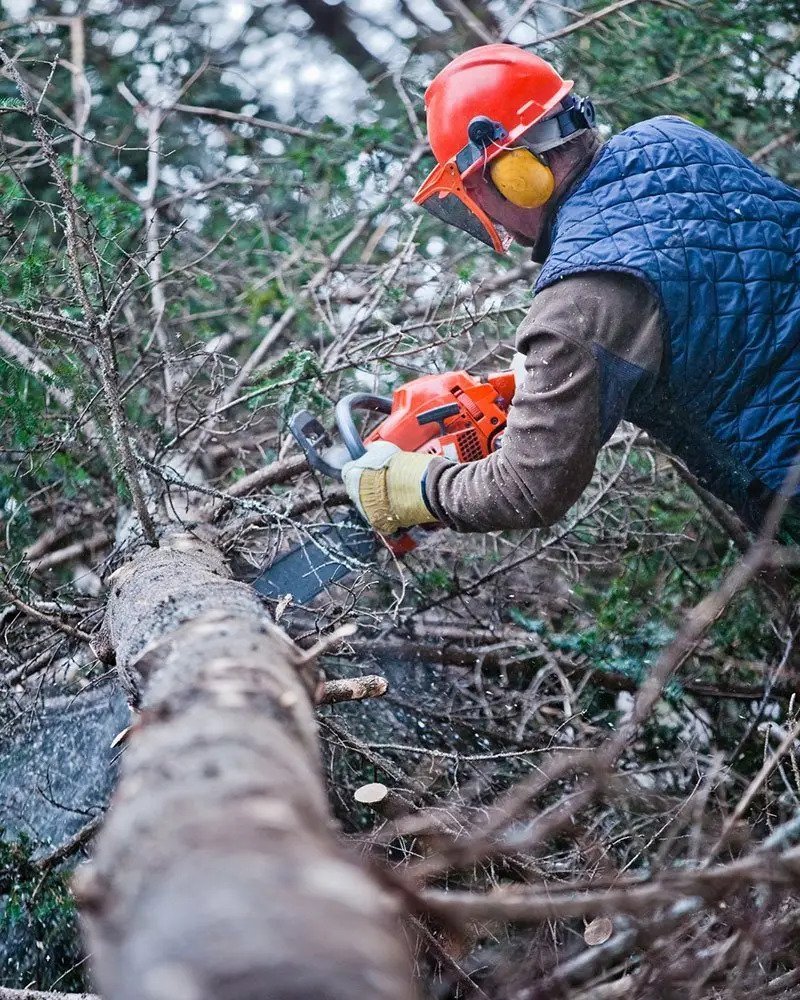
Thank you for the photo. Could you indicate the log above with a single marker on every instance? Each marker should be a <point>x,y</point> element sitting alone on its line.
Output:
<point>217,873</point>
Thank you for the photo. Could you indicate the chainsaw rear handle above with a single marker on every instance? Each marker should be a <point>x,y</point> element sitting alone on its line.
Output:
<point>350,434</point>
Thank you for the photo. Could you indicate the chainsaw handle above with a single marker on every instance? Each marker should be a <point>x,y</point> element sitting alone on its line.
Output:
<point>309,433</point>
<point>351,436</point>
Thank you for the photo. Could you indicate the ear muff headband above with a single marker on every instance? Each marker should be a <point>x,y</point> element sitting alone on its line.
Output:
<point>522,178</point>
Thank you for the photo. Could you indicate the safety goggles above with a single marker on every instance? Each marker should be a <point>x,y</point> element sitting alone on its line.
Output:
<point>443,192</point>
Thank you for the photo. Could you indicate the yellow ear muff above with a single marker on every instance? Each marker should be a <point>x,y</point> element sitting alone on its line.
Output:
<point>522,178</point>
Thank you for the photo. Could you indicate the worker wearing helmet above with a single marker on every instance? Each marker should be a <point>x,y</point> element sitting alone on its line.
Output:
<point>669,295</point>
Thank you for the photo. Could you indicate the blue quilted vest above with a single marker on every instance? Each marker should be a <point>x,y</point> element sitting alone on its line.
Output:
<point>718,241</point>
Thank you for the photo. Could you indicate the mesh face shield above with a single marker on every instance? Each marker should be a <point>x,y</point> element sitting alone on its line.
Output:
<point>443,195</point>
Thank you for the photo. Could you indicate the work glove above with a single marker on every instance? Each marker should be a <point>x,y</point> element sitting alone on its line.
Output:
<point>385,484</point>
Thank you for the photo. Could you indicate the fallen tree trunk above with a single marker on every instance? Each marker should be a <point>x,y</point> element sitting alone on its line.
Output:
<point>217,873</point>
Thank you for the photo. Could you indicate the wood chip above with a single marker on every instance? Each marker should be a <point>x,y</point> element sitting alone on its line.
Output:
<point>281,606</point>
<point>121,737</point>
<point>598,931</point>
<point>371,794</point>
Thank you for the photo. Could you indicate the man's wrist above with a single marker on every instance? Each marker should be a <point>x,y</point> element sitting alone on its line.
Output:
<point>424,487</point>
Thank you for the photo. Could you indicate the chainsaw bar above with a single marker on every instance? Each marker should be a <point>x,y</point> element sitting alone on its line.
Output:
<point>333,552</point>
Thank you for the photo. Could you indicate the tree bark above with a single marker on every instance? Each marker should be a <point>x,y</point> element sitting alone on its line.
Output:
<point>217,873</point>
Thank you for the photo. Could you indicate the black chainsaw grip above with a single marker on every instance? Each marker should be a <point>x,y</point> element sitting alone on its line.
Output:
<point>309,433</point>
<point>351,436</point>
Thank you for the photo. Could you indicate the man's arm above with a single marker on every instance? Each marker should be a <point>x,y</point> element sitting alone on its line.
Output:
<point>574,334</point>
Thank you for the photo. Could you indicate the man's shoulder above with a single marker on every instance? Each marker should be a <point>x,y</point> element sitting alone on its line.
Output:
<point>632,160</point>
<point>670,129</point>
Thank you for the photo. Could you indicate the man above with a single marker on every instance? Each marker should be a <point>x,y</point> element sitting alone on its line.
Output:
<point>669,295</point>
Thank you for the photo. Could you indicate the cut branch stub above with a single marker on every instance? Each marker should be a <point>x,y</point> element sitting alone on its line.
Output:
<point>384,800</point>
<point>352,689</point>
<point>217,874</point>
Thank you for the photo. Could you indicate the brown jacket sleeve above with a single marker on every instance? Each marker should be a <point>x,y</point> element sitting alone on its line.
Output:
<point>554,426</point>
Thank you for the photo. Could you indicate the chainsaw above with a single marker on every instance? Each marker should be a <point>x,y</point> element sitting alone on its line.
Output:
<point>456,415</point>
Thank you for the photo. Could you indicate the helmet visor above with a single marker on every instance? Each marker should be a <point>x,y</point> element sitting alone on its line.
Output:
<point>443,195</point>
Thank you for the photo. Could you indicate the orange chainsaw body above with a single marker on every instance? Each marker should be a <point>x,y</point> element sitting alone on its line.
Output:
<point>455,415</point>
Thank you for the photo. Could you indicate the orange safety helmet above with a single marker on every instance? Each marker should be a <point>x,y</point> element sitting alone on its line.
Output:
<point>483,103</point>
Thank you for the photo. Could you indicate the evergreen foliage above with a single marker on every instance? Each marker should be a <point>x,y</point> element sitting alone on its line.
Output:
<point>38,923</point>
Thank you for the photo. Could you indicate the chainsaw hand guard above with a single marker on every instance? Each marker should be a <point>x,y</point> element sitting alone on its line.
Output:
<point>315,441</point>
<point>309,433</point>
<point>351,435</point>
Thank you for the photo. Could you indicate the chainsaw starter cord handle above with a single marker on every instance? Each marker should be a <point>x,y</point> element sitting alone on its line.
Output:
<point>351,436</point>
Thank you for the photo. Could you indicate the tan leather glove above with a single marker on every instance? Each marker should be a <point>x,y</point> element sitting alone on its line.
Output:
<point>385,484</point>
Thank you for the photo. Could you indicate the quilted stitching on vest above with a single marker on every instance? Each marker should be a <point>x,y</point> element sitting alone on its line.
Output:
<point>718,241</point>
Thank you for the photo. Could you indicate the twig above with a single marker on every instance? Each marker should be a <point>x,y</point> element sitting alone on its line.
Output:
<point>32,363</point>
<point>69,552</point>
<point>230,116</point>
<point>348,740</point>
<point>465,15</point>
<point>70,846</point>
<point>776,143</point>
<point>588,963</point>
<point>724,515</point>
<point>515,19</point>
<point>521,905</point>
<point>155,270</point>
<point>288,315</point>
<point>743,804</point>
<point>75,633</point>
<point>584,22</point>
<point>81,95</point>
<point>447,960</point>
<point>383,800</point>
